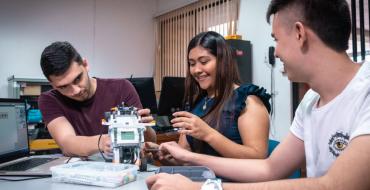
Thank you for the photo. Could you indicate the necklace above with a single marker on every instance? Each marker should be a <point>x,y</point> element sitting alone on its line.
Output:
<point>206,100</point>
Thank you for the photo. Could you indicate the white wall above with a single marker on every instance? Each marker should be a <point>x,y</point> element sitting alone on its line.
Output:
<point>116,36</point>
<point>118,41</point>
<point>253,27</point>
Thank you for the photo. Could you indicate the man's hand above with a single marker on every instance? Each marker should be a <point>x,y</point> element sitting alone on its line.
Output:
<point>165,181</point>
<point>146,117</point>
<point>180,154</point>
<point>151,150</point>
<point>105,144</point>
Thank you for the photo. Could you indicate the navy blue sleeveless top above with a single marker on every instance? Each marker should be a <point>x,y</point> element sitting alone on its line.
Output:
<point>230,114</point>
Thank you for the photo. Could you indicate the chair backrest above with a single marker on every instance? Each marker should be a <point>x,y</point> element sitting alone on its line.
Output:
<point>272,145</point>
<point>172,95</point>
<point>144,86</point>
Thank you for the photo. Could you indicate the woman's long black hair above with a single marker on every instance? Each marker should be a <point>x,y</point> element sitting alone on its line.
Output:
<point>226,76</point>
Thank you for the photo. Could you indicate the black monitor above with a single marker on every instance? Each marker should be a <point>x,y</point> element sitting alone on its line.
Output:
<point>145,88</point>
<point>172,95</point>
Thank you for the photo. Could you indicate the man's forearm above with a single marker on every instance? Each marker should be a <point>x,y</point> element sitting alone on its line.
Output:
<point>88,145</point>
<point>235,169</point>
<point>80,146</point>
<point>301,184</point>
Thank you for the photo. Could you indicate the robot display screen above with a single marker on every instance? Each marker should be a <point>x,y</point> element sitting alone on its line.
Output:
<point>127,135</point>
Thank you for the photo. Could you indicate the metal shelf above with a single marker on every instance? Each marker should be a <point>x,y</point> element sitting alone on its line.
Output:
<point>17,85</point>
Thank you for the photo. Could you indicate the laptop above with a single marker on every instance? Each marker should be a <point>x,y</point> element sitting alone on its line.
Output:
<point>15,159</point>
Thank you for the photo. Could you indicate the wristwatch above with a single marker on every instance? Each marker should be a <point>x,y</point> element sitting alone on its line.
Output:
<point>212,184</point>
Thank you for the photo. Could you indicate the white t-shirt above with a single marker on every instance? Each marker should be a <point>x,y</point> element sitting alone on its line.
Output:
<point>327,130</point>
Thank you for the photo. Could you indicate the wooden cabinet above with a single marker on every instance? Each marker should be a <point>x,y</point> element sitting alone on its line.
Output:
<point>167,137</point>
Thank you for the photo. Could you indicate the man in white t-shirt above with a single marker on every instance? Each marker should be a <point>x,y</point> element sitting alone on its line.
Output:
<point>331,128</point>
<point>328,129</point>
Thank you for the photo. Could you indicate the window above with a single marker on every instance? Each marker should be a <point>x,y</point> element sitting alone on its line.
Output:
<point>175,29</point>
<point>359,44</point>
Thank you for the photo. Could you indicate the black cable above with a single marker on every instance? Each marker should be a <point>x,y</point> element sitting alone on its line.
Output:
<point>101,152</point>
<point>69,159</point>
<point>23,179</point>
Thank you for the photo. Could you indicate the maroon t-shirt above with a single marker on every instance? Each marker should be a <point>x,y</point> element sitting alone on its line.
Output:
<point>86,116</point>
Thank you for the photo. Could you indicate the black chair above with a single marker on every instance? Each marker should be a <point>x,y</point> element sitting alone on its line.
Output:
<point>145,88</point>
<point>172,95</point>
<point>170,100</point>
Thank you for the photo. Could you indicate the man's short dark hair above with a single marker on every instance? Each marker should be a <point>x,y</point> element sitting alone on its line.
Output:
<point>329,19</point>
<point>58,57</point>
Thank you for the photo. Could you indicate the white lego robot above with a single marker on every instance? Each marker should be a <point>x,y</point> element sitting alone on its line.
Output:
<point>127,135</point>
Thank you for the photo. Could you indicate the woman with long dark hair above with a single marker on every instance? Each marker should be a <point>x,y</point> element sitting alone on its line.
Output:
<point>227,118</point>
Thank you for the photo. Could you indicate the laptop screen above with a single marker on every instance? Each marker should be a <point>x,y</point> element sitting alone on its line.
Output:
<point>13,129</point>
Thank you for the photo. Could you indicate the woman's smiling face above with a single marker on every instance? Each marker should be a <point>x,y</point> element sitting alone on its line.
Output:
<point>202,65</point>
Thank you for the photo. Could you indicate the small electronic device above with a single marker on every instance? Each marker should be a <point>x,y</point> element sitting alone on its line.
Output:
<point>127,135</point>
<point>195,173</point>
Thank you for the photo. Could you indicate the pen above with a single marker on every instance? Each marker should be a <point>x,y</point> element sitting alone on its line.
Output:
<point>152,149</point>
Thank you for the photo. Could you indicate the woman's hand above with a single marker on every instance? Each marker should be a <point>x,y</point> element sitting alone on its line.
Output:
<point>192,125</point>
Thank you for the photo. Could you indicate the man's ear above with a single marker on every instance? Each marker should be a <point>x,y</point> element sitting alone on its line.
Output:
<point>85,63</point>
<point>300,32</point>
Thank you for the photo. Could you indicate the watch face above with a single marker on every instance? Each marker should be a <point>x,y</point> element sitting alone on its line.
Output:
<point>212,184</point>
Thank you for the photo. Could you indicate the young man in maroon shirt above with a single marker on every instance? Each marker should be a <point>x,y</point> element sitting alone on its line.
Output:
<point>74,108</point>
